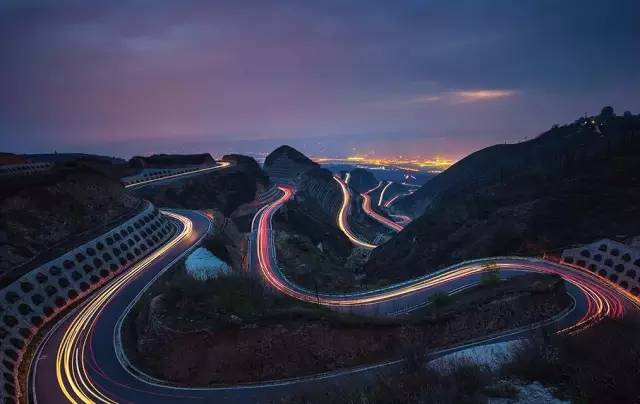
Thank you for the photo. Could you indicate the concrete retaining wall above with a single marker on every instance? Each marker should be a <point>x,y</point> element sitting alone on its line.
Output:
<point>34,299</point>
<point>615,261</point>
<point>24,169</point>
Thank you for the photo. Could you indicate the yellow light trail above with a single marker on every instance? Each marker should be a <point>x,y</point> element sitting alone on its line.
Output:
<point>343,215</point>
<point>602,299</point>
<point>73,378</point>
<point>173,176</point>
<point>383,191</point>
<point>71,374</point>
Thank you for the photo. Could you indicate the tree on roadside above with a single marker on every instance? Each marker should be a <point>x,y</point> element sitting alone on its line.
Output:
<point>490,274</point>
<point>440,299</point>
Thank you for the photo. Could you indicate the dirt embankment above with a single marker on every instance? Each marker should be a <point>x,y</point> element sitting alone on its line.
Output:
<point>42,215</point>
<point>199,342</point>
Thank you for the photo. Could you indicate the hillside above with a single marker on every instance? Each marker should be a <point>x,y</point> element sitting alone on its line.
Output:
<point>47,214</point>
<point>286,163</point>
<point>572,184</point>
<point>318,184</point>
<point>362,180</point>
<point>11,158</point>
<point>224,189</point>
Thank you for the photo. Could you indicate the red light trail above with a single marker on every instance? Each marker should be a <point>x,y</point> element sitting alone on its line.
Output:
<point>366,206</point>
<point>603,299</point>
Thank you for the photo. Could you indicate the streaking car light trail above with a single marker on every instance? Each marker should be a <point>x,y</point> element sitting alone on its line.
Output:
<point>381,198</point>
<point>402,220</point>
<point>342,213</point>
<point>366,206</point>
<point>396,197</point>
<point>73,355</point>
<point>221,164</point>
<point>71,373</point>
<point>603,299</point>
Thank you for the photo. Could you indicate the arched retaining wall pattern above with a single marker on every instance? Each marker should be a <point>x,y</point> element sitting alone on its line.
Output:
<point>610,259</point>
<point>24,169</point>
<point>35,298</point>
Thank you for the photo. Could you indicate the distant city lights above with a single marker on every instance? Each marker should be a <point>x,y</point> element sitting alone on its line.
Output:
<point>432,165</point>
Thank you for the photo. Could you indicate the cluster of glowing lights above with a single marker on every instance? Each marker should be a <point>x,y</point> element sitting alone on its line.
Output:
<point>435,163</point>
<point>71,370</point>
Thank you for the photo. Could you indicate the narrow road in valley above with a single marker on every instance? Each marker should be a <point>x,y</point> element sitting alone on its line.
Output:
<point>595,298</point>
<point>343,214</point>
<point>366,207</point>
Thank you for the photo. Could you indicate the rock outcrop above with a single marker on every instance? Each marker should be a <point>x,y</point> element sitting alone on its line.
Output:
<point>286,163</point>
<point>362,180</point>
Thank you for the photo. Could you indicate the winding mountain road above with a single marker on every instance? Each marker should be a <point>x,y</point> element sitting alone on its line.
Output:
<point>81,360</point>
<point>366,206</point>
<point>172,177</point>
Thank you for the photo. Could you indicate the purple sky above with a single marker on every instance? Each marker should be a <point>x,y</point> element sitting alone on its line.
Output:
<point>334,78</point>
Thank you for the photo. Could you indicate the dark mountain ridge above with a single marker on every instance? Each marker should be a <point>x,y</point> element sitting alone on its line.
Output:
<point>290,153</point>
<point>286,163</point>
<point>572,184</point>
<point>562,148</point>
<point>362,180</point>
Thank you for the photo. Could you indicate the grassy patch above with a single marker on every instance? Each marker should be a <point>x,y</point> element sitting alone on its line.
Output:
<point>464,382</point>
<point>501,389</point>
<point>596,366</point>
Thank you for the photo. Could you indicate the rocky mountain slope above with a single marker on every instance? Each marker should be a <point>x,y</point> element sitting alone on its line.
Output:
<point>572,184</point>
<point>55,211</point>
<point>318,185</point>
<point>362,180</point>
<point>287,163</point>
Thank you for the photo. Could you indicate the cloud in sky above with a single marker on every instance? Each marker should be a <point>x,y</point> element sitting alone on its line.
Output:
<point>482,95</point>
<point>464,96</point>
<point>123,78</point>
